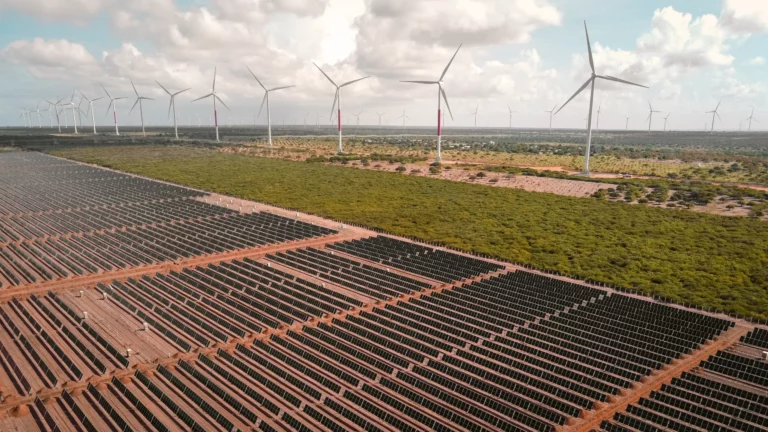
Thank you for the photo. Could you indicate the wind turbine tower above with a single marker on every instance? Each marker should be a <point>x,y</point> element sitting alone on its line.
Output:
<point>440,97</point>
<point>172,106</point>
<point>551,114</point>
<point>714,113</point>
<point>113,105</point>
<point>591,81</point>
<point>510,116</point>
<point>337,98</point>
<point>141,109</point>
<point>626,125</point>
<point>90,110</point>
<point>650,116</point>
<point>266,99</point>
<point>380,114</point>
<point>665,121</point>
<point>404,117</point>
<point>475,114</point>
<point>215,98</point>
<point>750,118</point>
<point>74,114</point>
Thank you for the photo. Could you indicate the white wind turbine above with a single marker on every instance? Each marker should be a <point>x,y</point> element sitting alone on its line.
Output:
<point>141,109</point>
<point>475,115</point>
<point>215,97</point>
<point>266,99</point>
<point>650,116</point>
<point>74,113</point>
<point>597,126</point>
<point>510,115</point>
<point>750,118</point>
<point>337,98</point>
<point>591,81</point>
<point>56,110</point>
<point>626,126</point>
<point>24,116</point>
<point>113,105</point>
<point>665,121</point>
<point>404,117</point>
<point>90,109</point>
<point>714,113</point>
<point>172,105</point>
<point>380,114</point>
<point>37,110</point>
<point>358,117</point>
<point>551,114</point>
<point>440,93</point>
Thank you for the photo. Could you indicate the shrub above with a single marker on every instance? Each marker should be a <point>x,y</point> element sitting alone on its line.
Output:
<point>434,170</point>
<point>401,169</point>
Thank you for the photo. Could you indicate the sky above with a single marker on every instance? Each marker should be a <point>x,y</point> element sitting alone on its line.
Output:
<point>524,56</point>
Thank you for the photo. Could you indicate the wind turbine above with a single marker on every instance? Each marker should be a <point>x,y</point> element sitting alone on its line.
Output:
<point>358,117</point>
<point>37,110</point>
<point>172,105</point>
<point>113,105</point>
<point>266,99</point>
<point>141,109</point>
<point>552,113</point>
<point>337,98</point>
<point>750,118</point>
<point>599,107</point>
<point>714,113</point>
<point>74,114</point>
<point>475,114</point>
<point>591,81</point>
<point>510,115</point>
<point>626,126</point>
<point>665,121</point>
<point>650,116</point>
<point>440,92</point>
<point>380,114</point>
<point>215,97</point>
<point>305,120</point>
<point>24,116</point>
<point>404,117</point>
<point>56,110</point>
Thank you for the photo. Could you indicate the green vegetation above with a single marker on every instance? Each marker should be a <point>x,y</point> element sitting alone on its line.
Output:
<point>711,261</point>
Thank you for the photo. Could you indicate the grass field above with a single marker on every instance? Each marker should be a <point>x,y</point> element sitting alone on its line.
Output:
<point>712,261</point>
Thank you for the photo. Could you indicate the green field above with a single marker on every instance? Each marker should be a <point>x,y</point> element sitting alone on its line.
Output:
<point>711,261</point>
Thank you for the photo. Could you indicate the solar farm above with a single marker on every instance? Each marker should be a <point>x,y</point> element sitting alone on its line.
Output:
<point>128,304</point>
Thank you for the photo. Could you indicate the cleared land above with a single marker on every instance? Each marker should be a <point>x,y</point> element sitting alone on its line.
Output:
<point>710,261</point>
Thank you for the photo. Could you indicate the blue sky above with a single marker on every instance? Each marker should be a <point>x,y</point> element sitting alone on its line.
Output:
<point>526,53</point>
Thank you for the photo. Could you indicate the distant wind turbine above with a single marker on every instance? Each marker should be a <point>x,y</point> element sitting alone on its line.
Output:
<point>510,115</point>
<point>215,97</point>
<point>266,99</point>
<point>626,126</point>
<point>141,109</point>
<point>90,109</point>
<point>440,94</point>
<point>74,113</point>
<point>172,106</point>
<point>552,113</point>
<point>113,105</point>
<point>404,117</point>
<point>650,116</point>
<point>358,117</point>
<point>591,81</point>
<point>714,113</point>
<point>380,114</point>
<point>750,118</point>
<point>337,99</point>
<point>665,121</point>
<point>56,110</point>
<point>475,114</point>
<point>597,126</point>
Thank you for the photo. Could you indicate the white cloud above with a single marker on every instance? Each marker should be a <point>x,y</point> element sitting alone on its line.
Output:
<point>745,16</point>
<point>79,11</point>
<point>757,61</point>
<point>51,59</point>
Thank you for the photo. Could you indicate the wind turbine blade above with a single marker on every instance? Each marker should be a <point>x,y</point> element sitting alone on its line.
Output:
<point>108,107</point>
<point>222,102</point>
<point>449,63</point>
<point>718,105</point>
<point>335,97</point>
<point>94,100</point>
<point>421,82</point>
<point>581,89</point>
<point>81,94</point>
<point>200,98</point>
<point>134,87</point>
<point>610,78</point>
<point>281,88</point>
<point>134,106</point>
<point>718,115</point>
<point>214,80</point>
<point>254,75</point>
<point>263,100</point>
<point>353,81</point>
<point>326,75</point>
<point>179,92</point>
<point>589,49</point>
<point>161,86</point>
<point>105,91</point>
<point>170,105</point>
